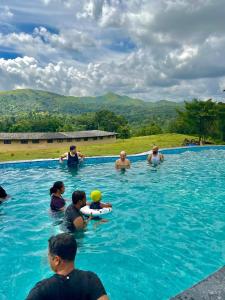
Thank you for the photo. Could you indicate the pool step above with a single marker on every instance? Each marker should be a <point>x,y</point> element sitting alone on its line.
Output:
<point>211,288</point>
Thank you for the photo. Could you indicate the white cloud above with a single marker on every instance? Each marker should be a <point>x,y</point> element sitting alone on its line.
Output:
<point>154,49</point>
<point>6,13</point>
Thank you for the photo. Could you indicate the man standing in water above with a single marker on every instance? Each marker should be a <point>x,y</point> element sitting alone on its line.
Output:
<point>72,157</point>
<point>122,162</point>
<point>73,218</point>
<point>155,158</point>
<point>68,283</point>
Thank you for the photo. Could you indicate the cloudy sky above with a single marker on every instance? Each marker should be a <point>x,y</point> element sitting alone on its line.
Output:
<point>149,49</point>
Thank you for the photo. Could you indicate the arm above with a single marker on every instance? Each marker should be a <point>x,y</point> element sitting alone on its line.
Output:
<point>80,223</point>
<point>161,157</point>
<point>62,208</point>
<point>104,297</point>
<point>80,155</point>
<point>149,157</point>
<point>105,205</point>
<point>37,292</point>
<point>116,165</point>
<point>128,164</point>
<point>64,156</point>
<point>97,290</point>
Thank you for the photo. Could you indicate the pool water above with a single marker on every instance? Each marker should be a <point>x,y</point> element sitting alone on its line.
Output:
<point>166,232</point>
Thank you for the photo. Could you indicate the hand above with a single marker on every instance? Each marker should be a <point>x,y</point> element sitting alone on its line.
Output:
<point>90,217</point>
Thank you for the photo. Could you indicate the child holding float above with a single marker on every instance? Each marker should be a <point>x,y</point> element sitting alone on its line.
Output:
<point>96,208</point>
<point>96,197</point>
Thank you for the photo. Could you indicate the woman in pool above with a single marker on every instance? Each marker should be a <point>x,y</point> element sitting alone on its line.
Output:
<point>3,195</point>
<point>57,201</point>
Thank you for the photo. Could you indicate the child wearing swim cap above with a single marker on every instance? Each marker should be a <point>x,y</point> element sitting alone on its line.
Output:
<point>96,197</point>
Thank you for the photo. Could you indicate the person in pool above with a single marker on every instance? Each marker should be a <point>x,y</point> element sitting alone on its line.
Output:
<point>155,158</point>
<point>72,156</point>
<point>73,218</point>
<point>96,197</point>
<point>57,202</point>
<point>68,283</point>
<point>122,162</point>
<point>3,195</point>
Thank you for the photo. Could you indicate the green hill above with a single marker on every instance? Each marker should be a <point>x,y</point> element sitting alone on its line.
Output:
<point>135,110</point>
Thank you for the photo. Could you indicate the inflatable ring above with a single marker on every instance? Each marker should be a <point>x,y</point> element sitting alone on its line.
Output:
<point>87,211</point>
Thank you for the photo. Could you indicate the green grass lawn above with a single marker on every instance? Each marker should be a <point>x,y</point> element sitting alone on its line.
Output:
<point>131,146</point>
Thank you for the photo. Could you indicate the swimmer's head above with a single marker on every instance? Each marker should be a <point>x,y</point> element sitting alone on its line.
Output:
<point>58,186</point>
<point>155,149</point>
<point>62,249</point>
<point>123,155</point>
<point>96,195</point>
<point>73,149</point>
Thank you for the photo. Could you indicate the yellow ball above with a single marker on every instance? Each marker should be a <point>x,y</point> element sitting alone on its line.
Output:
<point>96,195</point>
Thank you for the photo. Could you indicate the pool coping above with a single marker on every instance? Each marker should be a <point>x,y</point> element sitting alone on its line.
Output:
<point>210,288</point>
<point>105,157</point>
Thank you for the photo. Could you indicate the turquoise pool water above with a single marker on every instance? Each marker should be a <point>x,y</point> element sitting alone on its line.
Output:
<point>167,230</point>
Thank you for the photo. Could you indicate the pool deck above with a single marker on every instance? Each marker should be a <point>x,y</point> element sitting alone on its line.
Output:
<point>211,288</point>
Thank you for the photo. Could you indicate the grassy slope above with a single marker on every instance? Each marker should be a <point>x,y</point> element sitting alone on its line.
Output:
<point>132,146</point>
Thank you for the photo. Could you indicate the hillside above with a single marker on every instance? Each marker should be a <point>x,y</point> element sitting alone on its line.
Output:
<point>135,110</point>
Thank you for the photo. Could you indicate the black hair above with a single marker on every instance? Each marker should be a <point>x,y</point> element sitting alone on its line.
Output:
<point>72,148</point>
<point>63,245</point>
<point>56,186</point>
<point>77,196</point>
<point>3,193</point>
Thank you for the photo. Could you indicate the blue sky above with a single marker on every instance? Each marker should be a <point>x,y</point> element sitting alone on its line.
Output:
<point>148,49</point>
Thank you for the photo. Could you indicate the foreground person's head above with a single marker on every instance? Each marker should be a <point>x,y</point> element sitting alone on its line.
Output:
<point>79,199</point>
<point>123,155</point>
<point>62,250</point>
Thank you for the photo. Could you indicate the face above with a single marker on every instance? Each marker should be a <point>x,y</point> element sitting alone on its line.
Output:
<point>83,201</point>
<point>122,156</point>
<point>73,151</point>
<point>54,261</point>
<point>155,150</point>
<point>62,190</point>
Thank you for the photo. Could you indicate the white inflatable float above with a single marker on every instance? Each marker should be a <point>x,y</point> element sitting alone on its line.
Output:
<point>87,211</point>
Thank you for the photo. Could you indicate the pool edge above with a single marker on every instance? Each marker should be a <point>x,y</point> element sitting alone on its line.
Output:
<point>110,158</point>
<point>210,288</point>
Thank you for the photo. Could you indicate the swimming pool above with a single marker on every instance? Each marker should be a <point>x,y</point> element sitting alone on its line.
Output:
<point>167,230</point>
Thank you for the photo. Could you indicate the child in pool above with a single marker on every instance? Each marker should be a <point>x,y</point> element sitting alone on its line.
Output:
<point>96,197</point>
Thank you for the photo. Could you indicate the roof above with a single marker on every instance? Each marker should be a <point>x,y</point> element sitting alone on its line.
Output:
<point>53,135</point>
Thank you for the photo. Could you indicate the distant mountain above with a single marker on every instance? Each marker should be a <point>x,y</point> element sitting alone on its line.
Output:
<point>135,110</point>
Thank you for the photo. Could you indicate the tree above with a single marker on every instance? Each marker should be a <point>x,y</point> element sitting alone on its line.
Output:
<point>151,129</point>
<point>221,120</point>
<point>109,121</point>
<point>199,118</point>
<point>124,132</point>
